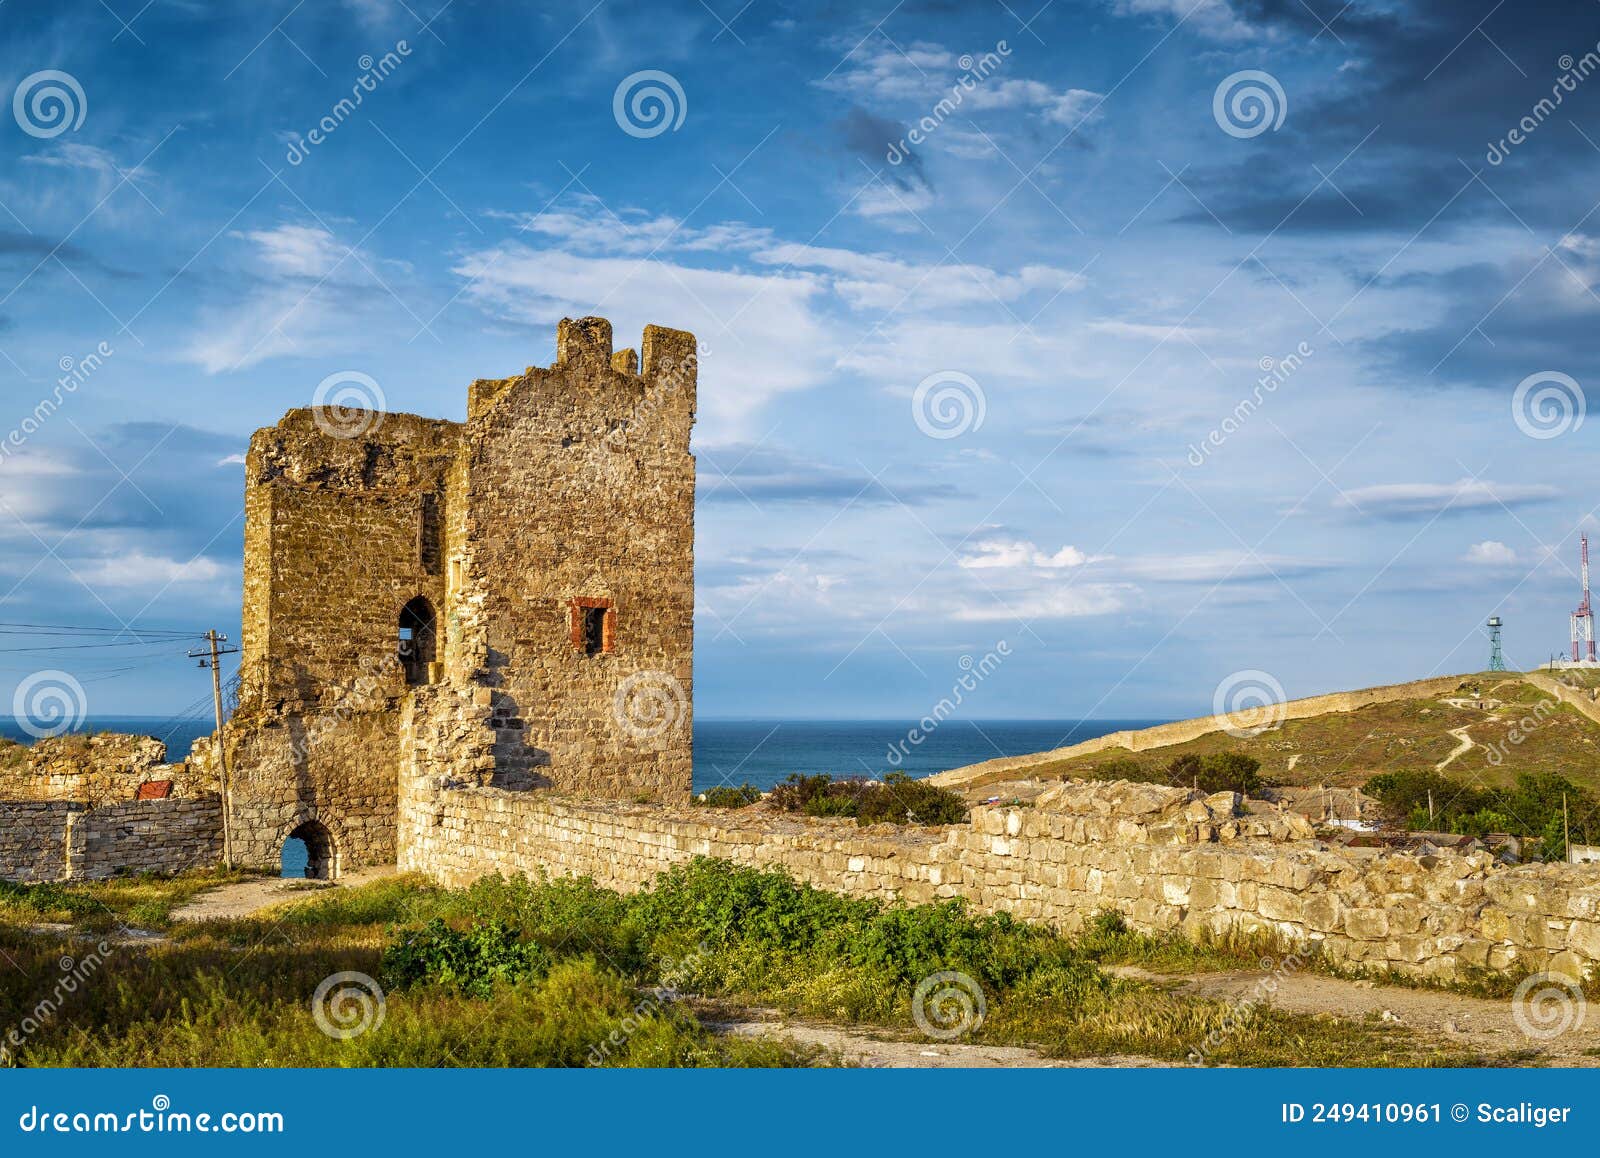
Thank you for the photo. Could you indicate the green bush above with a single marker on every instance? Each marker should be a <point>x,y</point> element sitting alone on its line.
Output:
<point>472,962</point>
<point>1538,804</point>
<point>726,796</point>
<point>1211,772</point>
<point>896,799</point>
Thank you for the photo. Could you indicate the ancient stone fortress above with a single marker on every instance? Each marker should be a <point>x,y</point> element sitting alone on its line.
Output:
<point>506,601</point>
<point>467,649</point>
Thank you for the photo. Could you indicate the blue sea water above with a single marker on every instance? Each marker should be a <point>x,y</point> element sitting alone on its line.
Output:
<point>764,752</point>
<point>758,752</point>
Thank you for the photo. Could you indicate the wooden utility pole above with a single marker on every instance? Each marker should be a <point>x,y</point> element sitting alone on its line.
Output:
<point>1566,830</point>
<point>213,661</point>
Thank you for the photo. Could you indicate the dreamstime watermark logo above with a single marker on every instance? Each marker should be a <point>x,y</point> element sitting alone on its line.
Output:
<point>1240,1009</point>
<point>649,103</point>
<point>49,703</point>
<point>1573,73</point>
<point>348,404</point>
<point>1248,103</point>
<point>947,404</point>
<point>972,73</point>
<point>347,1005</point>
<point>160,1118</point>
<point>1249,702</point>
<point>1548,404</point>
<point>948,1005</point>
<point>47,104</point>
<point>666,384</point>
<point>373,73</point>
<point>975,672</point>
<point>1274,373</point>
<point>674,975</point>
<point>1547,1005</point>
<point>1495,752</point>
<point>650,704</point>
<point>75,973</point>
<point>74,373</point>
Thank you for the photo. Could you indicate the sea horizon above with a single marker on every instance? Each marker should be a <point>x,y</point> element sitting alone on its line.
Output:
<point>765,750</point>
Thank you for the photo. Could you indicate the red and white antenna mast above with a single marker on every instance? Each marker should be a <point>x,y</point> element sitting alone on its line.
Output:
<point>1583,618</point>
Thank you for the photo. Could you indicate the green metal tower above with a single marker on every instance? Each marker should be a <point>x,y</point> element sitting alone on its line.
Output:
<point>1497,662</point>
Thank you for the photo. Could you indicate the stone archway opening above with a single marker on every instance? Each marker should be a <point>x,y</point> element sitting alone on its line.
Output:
<point>309,852</point>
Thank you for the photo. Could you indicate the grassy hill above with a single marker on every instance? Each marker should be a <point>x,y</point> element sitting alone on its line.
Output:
<point>1421,734</point>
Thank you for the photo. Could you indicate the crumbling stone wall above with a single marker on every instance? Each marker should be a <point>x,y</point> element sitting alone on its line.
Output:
<point>105,768</point>
<point>579,489</point>
<point>1168,859</point>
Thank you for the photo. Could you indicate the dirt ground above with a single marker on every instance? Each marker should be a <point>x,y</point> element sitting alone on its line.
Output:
<point>881,1049</point>
<point>1484,1025</point>
<point>247,898</point>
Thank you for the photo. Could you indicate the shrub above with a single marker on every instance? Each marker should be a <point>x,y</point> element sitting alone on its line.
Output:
<point>900,799</point>
<point>1216,772</point>
<point>1211,772</point>
<point>1540,804</point>
<point>472,961</point>
<point>726,796</point>
<point>896,799</point>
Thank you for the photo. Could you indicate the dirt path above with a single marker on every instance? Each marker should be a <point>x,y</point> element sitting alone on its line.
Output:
<point>1463,744</point>
<point>1475,1023</point>
<point>881,1049</point>
<point>247,898</point>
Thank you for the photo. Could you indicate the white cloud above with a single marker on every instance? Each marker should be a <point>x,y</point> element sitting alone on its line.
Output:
<point>772,322</point>
<point>775,339</point>
<point>1007,553</point>
<point>1150,330</point>
<point>1490,553</point>
<point>299,250</point>
<point>915,79</point>
<point>88,158</point>
<point>138,570</point>
<point>1222,566</point>
<point>1404,500</point>
<point>876,282</point>
<point>1215,18</point>
<point>308,293</point>
<point>1068,602</point>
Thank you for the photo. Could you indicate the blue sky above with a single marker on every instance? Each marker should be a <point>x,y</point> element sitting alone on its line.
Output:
<point>1095,248</point>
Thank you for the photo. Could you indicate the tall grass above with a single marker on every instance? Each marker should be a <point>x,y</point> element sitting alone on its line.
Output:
<point>526,972</point>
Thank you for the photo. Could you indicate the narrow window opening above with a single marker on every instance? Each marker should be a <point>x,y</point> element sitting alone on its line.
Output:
<point>430,535</point>
<point>416,640</point>
<point>594,630</point>
<point>594,626</point>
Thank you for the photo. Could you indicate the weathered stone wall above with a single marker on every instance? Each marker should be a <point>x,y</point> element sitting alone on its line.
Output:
<point>62,840</point>
<point>580,486</point>
<point>334,548</point>
<point>33,839</point>
<point>105,768</point>
<point>162,836</point>
<point>1182,731</point>
<point>1165,858</point>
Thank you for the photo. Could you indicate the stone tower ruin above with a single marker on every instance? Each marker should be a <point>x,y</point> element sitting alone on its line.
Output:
<point>504,602</point>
